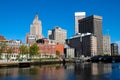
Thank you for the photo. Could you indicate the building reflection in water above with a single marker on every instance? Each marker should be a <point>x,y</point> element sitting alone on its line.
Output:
<point>91,71</point>
<point>51,72</point>
<point>100,68</point>
<point>74,71</point>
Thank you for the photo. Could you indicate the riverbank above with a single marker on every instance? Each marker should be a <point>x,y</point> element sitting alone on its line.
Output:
<point>29,63</point>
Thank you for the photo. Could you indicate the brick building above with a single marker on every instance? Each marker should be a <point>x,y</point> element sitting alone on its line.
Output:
<point>48,48</point>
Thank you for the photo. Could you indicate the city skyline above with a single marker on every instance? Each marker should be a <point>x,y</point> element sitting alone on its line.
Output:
<point>16,16</point>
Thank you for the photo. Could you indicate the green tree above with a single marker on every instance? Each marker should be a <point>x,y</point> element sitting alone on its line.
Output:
<point>23,50</point>
<point>27,51</point>
<point>10,50</point>
<point>34,50</point>
<point>3,46</point>
<point>57,53</point>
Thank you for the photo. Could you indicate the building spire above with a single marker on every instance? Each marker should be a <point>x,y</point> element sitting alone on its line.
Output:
<point>36,19</point>
<point>36,16</point>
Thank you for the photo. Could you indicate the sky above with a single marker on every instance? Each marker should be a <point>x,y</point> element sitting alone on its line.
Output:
<point>16,16</point>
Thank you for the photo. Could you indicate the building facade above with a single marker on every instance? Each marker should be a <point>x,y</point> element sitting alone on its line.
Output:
<point>93,24</point>
<point>114,49</point>
<point>36,27</point>
<point>89,45</point>
<point>12,50</point>
<point>78,16</point>
<point>84,44</point>
<point>47,48</point>
<point>69,53</point>
<point>106,45</point>
<point>2,38</point>
<point>57,34</point>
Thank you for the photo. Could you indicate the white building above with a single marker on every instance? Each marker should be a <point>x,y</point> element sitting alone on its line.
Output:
<point>106,45</point>
<point>69,52</point>
<point>78,16</point>
<point>36,27</point>
<point>57,34</point>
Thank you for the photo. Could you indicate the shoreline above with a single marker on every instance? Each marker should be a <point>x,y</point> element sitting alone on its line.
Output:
<point>31,63</point>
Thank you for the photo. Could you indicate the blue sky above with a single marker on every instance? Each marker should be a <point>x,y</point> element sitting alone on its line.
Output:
<point>17,15</point>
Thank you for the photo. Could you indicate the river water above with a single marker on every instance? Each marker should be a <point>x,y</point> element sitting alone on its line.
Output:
<point>72,71</point>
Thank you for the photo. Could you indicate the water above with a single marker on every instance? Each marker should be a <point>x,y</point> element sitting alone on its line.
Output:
<point>79,71</point>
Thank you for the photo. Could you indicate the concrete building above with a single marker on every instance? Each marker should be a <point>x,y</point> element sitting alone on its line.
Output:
<point>114,49</point>
<point>106,45</point>
<point>89,45</point>
<point>35,31</point>
<point>93,24</point>
<point>31,39</point>
<point>36,27</point>
<point>57,34</point>
<point>84,44</point>
<point>78,16</point>
<point>69,52</point>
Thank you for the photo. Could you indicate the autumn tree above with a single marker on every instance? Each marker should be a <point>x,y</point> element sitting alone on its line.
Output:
<point>57,53</point>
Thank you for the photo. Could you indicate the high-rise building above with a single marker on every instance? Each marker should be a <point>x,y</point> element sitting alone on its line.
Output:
<point>106,45</point>
<point>36,27</point>
<point>35,31</point>
<point>114,49</point>
<point>78,16</point>
<point>89,45</point>
<point>93,24</point>
<point>57,34</point>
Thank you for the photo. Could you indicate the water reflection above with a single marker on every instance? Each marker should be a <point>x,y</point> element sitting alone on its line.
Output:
<point>78,71</point>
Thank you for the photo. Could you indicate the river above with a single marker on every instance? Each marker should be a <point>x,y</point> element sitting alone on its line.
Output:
<point>71,71</point>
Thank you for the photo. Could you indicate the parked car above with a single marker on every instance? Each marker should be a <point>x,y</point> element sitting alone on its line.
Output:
<point>96,58</point>
<point>107,59</point>
<point>117,58</point>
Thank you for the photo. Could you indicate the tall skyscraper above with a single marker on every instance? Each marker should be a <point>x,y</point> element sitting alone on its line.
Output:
<point>93,24</point>
<point>35,31</point>
<point>106,45</point>
<point>57,34</point>
<point>36,27</point>
<point>78,16</point>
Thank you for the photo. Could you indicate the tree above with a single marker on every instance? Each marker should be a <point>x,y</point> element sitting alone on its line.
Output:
<point>9,52</point>
<point>27,51</point>
<point>57,53</point>
<point>23,50</point>
<point>34,50</point>
<point>2,47</point>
